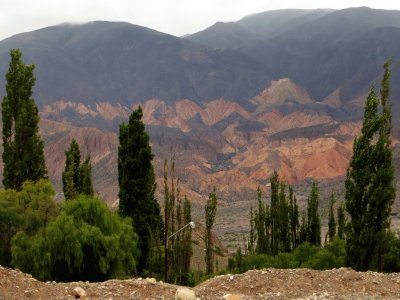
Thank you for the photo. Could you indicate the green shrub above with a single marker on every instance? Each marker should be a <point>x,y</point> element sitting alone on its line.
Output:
<point>86,241</point>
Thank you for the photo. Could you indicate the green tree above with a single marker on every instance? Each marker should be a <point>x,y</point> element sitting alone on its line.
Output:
<point>29,210</point>
<point>284,220</point>
<point>77,177</point>
<point>178,235</point>
<point>85,174</point>
<point>260,220</point>
<point>274,214</point>
<point>137,183</point>
<point>186,238</point>
<point>11,220</point>
<point>303,231</point>
<point>252,234</point>
<point>23,155</point>
<point>294,219</point>
<point>341,222</point>
<point>370,189</point>
<point>70,176</point>
<point>332,220</point>
<point>210,211</point>
<point>87,241</point>
<point>313,219</point>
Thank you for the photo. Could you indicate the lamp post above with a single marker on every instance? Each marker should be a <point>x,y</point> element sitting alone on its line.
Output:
<point>192,225</point>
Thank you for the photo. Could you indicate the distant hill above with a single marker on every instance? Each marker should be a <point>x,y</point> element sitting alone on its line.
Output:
<point>322,50</point>
<point>124,63</point>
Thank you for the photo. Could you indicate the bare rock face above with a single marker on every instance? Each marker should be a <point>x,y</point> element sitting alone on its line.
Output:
<point>251,144</point>
<point>279,92</point>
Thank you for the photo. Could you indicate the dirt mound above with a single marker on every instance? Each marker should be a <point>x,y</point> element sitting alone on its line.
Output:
<point>261,284</point>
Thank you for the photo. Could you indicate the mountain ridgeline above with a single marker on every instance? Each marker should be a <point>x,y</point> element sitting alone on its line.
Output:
<point>279,90</point>
<point>324,51</point>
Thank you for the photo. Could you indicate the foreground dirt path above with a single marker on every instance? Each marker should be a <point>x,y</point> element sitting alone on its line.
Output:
<point>257,284</point>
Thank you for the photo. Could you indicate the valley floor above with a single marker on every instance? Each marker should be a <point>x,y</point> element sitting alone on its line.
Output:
<point>256,284</point>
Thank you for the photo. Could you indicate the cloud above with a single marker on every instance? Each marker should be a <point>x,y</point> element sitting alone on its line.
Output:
<point>171,16</point>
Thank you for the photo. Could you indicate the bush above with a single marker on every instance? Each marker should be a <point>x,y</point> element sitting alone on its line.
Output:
<point>86,241</point>
<point>10,222</point>
<point>391,260</point>
<point>29,210</point>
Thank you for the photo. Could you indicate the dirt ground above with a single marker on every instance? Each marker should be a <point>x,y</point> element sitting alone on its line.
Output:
<point>257,284</point>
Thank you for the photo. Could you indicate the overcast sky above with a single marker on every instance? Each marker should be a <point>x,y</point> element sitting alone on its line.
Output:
<point>176,17</point>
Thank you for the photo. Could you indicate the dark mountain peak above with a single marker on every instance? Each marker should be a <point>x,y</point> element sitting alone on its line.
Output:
<point>124,63</point>
<point>222,35</point>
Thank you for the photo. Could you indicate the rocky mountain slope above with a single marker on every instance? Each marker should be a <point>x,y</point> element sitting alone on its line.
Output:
<point>124,63</point>
<point>261,284</point>
<point>218,144</point>
<point>321,50</point>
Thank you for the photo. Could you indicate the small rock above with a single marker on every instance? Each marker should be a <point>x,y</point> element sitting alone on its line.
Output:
<point>79,292</point>
<point>232,297</point>
<point>152,280</point>
<point>185,294</point>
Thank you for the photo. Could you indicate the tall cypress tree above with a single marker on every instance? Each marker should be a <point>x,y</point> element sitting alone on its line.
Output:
<point>274,213</point>
<point>313,219</point>
<point>252,234</point>
<point>260,225</point>
<point>341,222</point>
<point>294,219</point>
<point>284,221</point>
<point>85,174</point>
<point>77,177</point>
<point>210,211</point>
<point>23,155</point>
<point>332,220</point>
<point>369,183</point>
<point>137,183</point>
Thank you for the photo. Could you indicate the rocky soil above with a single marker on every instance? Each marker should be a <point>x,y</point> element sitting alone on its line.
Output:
<point>261,284</point>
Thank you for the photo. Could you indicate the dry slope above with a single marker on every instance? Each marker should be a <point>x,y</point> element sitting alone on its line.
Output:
<point>261,284</point>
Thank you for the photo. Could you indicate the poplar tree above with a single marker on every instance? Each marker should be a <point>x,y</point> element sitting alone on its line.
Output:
<point>313,219</point>
<point>369,184</point>
<point>210,211</point>
<point>23,155</point>
<point>260,219</point>
<point>341,222</point>
<point>137,185</point>
<point>274,213</point>
<point>284,221</point>
<point>85,173</point>
<point>252,235</point>
<point>76,177</point>
<point>294,219</point>
<point>332,220</point>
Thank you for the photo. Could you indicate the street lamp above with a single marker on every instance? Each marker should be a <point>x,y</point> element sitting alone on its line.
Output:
<point>192,225</point>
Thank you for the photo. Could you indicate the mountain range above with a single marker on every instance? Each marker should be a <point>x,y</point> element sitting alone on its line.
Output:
<point>280,90</point>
